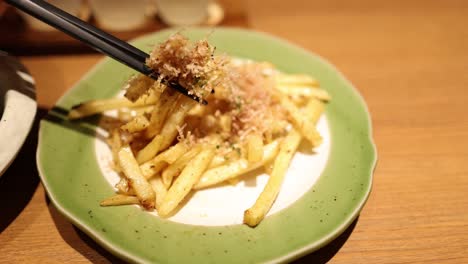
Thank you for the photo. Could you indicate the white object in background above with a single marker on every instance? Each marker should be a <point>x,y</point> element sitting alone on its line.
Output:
<point>122,15</point>
<point>15,124</point>
<point>17,108</point>
<point>215,14</point>
<point>183,12</point>
<point>74,7</point>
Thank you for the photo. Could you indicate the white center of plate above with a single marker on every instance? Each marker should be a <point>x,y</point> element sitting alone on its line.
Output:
<point>225,205</point>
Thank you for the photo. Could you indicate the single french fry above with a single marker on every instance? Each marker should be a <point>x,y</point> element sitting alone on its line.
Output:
<point>296,79</point>
<point>137,182</point>
<point>257,212</point>
<point>186,180</point>
<point>254,148</point>
<point>159,189</point>
<point>150,150</point>
<point>304,91</point>
<point>268,167</point>
<point>313,110</point>
<point>320,94</point>
<point>115,144</point>
<point>150,169</point>
<point>225,121</point>
<point>119,199</point>
<point>137,124</point>
<point>197,110</point>
<point>236,168</point>
<point>173,153</point>
<point>98,106</point>
<point>176,168</point>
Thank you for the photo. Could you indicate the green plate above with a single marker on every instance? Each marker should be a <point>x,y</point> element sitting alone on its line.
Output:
<point>317,204</point>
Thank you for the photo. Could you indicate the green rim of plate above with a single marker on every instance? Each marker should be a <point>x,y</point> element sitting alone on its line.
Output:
<point>70,174</point>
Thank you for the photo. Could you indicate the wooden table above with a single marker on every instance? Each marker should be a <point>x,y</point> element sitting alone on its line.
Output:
<point>409,59</point>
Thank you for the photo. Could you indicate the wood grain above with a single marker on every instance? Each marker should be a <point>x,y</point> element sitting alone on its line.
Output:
<point>409,59</point>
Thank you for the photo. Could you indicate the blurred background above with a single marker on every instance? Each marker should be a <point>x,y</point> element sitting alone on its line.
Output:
<point>22,34</point>
<point>408,59</point>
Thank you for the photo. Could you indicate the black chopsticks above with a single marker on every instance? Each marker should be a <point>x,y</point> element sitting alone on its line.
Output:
<point>94,37</point>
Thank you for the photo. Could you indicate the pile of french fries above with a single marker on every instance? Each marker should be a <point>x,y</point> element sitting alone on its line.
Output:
<point>159,172</point>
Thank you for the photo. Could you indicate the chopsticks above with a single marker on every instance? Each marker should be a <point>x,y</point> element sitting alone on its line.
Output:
<point>94,37</point>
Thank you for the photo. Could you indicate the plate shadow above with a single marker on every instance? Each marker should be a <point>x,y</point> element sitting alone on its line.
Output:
<point>326,253</point>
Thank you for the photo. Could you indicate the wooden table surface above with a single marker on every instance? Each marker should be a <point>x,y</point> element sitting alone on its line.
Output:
<point>409,59</point>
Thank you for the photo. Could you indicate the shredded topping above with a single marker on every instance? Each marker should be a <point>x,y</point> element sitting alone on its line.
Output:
<point>252,105</point>
<point>193,66</point>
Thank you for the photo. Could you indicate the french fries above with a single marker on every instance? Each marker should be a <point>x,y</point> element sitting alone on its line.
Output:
<point>160,112</point>
<point>175,120</point>
<point>257,212</point>
<point>176,168</point>
<point>168,131</point>
<point>236,168</point>
<point>165,145</point>
<point>169,156</point>
<point>98,106</point>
